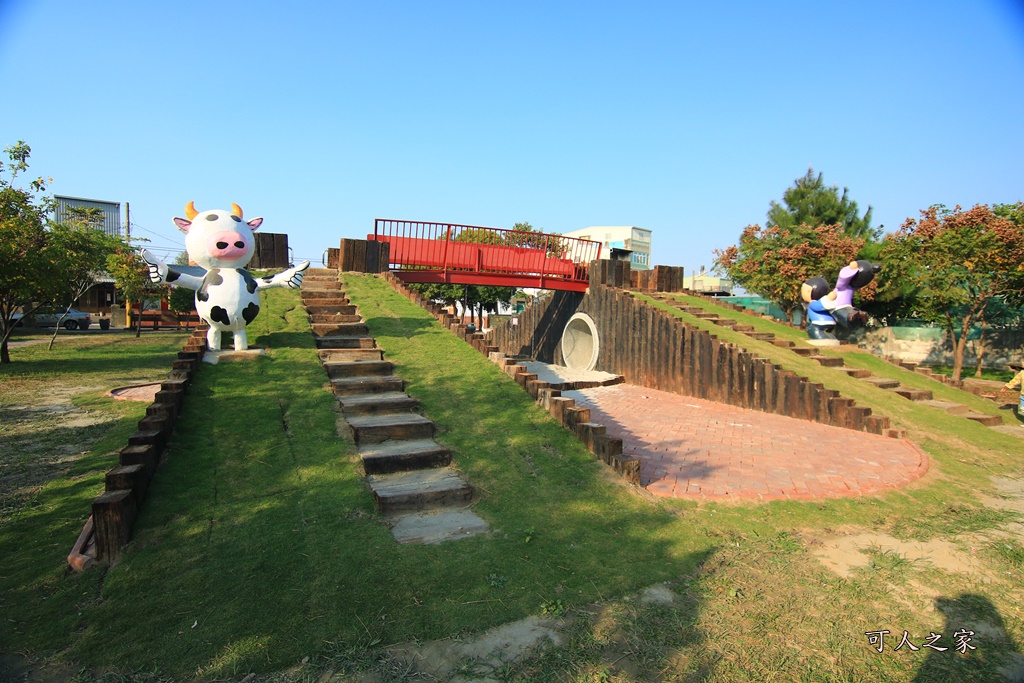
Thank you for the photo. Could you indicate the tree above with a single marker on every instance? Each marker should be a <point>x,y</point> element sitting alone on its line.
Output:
<point>77,248</point>
<point>181,300</point>
<point>22,238</point>
<point>524,235</point>
<point>959,262</point>
<point>775,261</point>
<point>478,299</point>
<point>810,201</point>
<point>131,276</point>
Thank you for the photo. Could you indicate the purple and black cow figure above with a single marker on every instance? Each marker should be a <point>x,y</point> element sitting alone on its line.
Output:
<point>227,297</point>
<point>826,309</point>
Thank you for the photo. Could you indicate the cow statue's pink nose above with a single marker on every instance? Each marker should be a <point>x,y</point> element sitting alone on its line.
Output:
<point>227,245</point>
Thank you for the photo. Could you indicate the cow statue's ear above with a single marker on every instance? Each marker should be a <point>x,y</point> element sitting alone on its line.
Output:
<point>182,224</point>
<point>255,223</point>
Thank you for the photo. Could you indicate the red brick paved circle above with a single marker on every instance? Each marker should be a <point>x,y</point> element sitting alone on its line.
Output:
<point>690,447</point>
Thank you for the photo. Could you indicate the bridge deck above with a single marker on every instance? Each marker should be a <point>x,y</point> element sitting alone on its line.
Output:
<point>462,254</point>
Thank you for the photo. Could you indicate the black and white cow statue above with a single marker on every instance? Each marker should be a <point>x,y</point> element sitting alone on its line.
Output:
<point>228,296</point>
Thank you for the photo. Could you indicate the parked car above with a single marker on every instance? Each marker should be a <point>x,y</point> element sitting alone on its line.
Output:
<point>74,320</point>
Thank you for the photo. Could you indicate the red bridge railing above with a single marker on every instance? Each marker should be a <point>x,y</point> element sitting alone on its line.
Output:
<point>468,254</point>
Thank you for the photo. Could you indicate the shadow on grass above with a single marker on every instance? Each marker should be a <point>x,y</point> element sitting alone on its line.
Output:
<point>978,647</point>
<point>404,328</point>
<point>633,444</point>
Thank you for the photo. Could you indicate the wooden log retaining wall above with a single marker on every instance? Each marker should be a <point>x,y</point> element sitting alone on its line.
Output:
<point>652,348</point>
<point>360,256</point>
<point>577,420</point>
<point>114,512</point>
<point>658,279</point>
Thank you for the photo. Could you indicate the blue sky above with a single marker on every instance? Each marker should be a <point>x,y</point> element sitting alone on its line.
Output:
<point>683,118</point>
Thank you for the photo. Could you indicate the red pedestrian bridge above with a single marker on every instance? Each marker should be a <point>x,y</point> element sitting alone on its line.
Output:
<point>474,255</point>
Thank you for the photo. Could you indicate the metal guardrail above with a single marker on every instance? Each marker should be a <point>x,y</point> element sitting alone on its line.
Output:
<point>444,252</point>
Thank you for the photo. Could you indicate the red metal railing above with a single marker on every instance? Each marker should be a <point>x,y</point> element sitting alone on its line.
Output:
<point>468,254</point>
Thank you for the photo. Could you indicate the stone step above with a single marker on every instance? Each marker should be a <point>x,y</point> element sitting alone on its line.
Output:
<point>704,315</point>
<point>987,420</point>
<point>358,368</point>
<point>323,271</point>
<point>913,394</point>
<point>403,456</point>
<point>419,490</point>
<point>724,322</point>
<point>335,318</point>
<point>882,382</point>
<point>857,373</point>
<point>339,341</point>
<point>828,361</point>
<point>804,351</point>
<point>394,427</point>
<point>377,404</point>
<point>344,309</point>
<point>763,336</point>
<point>312,295</point>
<point>339,355</point>
<point>319,282</point>
<point>341,330</point>
<point>950,407</point>
<point>437,526</point>
<point>328,305</point>
<point>783,343</point>
<point>350,386</point>
<point>745,329</point>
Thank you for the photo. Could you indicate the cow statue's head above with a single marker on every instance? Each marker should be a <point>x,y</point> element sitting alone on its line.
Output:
<point>218,239</point>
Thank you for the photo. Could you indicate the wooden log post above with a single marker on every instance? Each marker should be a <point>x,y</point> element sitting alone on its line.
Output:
<point>587,432</point>
<point>146,455</point>
<point>858,417</point>
<point>113,515</point>
<point>133,478</point>
<point>558,406</point>
<point>574,416</point>
<point>522,378</point>
<point>534,386</point>
<point>839,411</point>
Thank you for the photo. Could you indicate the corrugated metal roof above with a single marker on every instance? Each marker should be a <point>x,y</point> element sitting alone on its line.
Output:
<point>111,211</point>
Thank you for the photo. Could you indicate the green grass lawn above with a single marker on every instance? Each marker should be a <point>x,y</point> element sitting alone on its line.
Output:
<point>258,546</point>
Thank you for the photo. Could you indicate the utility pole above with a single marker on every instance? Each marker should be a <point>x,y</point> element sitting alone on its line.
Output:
<point>128,223</point>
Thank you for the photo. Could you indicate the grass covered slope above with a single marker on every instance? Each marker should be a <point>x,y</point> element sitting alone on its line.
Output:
<point>59,434</point>
<point>258,545</point>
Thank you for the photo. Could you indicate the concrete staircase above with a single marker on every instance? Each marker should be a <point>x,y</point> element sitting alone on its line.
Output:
<point>424,499</point>
<point>923,396</point>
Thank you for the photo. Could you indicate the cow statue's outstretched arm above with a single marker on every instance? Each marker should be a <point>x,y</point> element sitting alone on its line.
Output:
<point>227,297</point>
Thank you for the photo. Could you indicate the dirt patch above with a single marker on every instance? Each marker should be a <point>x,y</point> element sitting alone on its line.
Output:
<point>844,553</point>
<point>39,441</point>
<point>485,656</point>
<point>482,655</point>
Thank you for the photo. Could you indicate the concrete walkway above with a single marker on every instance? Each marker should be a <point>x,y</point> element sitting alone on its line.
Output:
<point>692,448</point>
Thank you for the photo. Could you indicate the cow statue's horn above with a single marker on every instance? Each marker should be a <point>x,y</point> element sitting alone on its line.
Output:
<point>236,210</point>
<point>190,210</point>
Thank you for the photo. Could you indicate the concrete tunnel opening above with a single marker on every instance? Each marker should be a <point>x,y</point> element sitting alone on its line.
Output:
<point>580,343</point>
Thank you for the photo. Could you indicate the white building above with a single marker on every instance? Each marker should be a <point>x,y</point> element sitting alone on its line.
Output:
<point>637,240</point>
<point>706,283</point>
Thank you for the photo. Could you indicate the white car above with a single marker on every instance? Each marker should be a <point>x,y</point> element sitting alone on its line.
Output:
<point>74,320</point>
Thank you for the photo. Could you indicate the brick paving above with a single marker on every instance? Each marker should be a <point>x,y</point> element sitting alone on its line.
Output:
<point>692,448</point>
